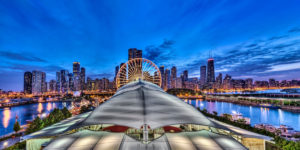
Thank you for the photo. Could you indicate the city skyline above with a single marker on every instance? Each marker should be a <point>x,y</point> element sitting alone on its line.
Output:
<point>50,40</point>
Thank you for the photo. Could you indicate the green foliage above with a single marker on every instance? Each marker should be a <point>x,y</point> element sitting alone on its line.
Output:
<point>17,146</point>
<point>83,109</point>
<point>17,126</point>
<point>55,116</point>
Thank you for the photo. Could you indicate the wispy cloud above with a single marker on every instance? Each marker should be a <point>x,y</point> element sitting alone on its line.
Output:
<point>20,56</point>
<point>253,58</point>
<point>160,53</point>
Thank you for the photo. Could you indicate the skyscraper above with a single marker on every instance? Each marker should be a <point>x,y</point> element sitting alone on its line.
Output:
<point>116,70</point>
<point>27,82</point>
<point>167,79</point>
<point>227,84</point>
<point>134,53</point>
<point>71,82</point>
<point>162,74</point>
<point>44,83</point>
<point>210,70</point>
<point>202,75</point>
<point>76,73</point>
<point>185,75</point>
<point>36,82</point>
<point>218,82</point>
<point>58,81</point>
<point>52,85</point>
<point>173,77</point>
<point>64,81</point>
<point>82,78</point>
<point>76,68</point>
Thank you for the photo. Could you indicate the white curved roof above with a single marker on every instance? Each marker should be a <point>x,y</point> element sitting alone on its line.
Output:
<point>119,141</point>
<point>140,103</point>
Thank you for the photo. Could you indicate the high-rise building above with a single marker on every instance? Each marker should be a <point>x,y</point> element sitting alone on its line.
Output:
<point>89,83</point>
<point>58,81</point>
<point>36,82</point>
<point>71,82</point>
<point>82,78</point>
<point>178,83</point>
<point>44,83</point>
<point>249,83</point>
<point>185,75</point>
<point>173,77</point>
<point>76,68</point>
<point>202,75</point>
<point>167,79</point>
<point>162,74</point>
<point>210,70</point>
<point>76,73</point>
<point>218,82</point>
<point>64,81</point>
<point>227,82</point>
<point>116,70</point>
<point>134,53</point>
<point>52,86</point>
<point>272,82</point>
<point>27,82</point>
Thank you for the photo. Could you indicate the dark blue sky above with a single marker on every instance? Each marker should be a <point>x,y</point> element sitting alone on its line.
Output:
<point>249,38</point>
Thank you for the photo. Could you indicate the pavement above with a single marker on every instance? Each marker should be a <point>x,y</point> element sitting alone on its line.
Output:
<point>9,142</point>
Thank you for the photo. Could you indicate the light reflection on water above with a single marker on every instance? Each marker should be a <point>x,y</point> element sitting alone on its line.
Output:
<point>25,112</point>
<point>257,115</point>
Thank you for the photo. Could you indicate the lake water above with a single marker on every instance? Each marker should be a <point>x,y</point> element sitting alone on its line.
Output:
<point>257,115</point>
<point>26,112</point>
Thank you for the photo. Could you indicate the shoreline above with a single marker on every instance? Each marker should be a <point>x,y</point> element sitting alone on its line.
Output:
<point>32,102</point>
<point>293,109</point>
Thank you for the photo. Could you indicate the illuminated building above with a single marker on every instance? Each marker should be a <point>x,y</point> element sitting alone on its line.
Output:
<point>116,70</point>
<point>64,81</point>
<point>36,82</point>
<point>185,75</point>
<point>227,82</point>
<point>44,83</point>
<point>218,82</point>
<point>52,86</point>
<point>162,73</point>
<point>210,70</point>
<point>82,78</point>
<point>76,73</point>
<point>173,76</point>
<point>202,75</point>
<point>134,53</point>
<point>249,83</point>
<point>58,81</point>
<point>167,79</point>
<point>89,84</point>
<point>71,82</point>
<point>178,83</point>
<point>27,82</point>
<point>272,82</point>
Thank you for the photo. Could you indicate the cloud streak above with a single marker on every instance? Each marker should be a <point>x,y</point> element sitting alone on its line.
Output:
<point>20,56</point>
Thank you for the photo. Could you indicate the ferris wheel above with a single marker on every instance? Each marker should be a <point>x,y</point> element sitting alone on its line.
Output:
<point>138,69</point>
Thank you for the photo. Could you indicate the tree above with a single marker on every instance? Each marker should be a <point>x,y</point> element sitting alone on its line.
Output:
<point>83,109</point>
<point>17,126</point>
<point>215,113</point>
<point>66,112</point>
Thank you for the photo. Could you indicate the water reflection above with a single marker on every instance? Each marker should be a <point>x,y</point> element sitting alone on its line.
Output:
<point>25,112</point>
<point>49,106</point>
<point>40,108</point>
<point>6,117</point>
<point>257,115</point>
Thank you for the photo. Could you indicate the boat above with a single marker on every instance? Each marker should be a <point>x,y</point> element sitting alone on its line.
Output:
<point>268,106</point>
